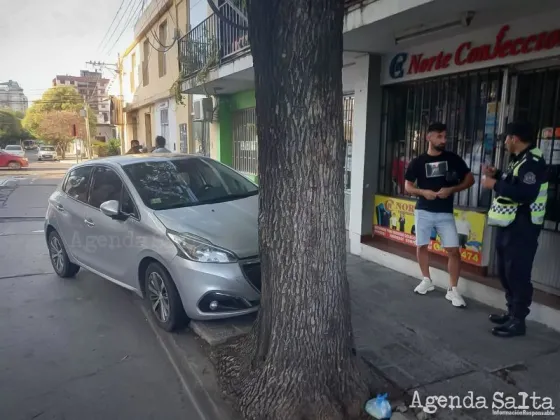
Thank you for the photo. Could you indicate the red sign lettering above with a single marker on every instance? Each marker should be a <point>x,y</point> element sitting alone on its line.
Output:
<point>467,53</point>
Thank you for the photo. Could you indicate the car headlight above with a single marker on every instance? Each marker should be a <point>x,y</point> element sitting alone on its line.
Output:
<point>197,249</point>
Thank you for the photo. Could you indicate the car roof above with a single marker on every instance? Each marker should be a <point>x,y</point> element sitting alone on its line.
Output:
<point>124,160</point>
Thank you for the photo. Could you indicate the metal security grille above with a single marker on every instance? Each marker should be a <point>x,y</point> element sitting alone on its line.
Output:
<point>348,109</point>
<point>538,101</point>
<point>467,103</point>
<point>245,145</point>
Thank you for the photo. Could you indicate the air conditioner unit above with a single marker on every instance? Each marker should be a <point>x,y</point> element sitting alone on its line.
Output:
<point>203,110</point>
<point>198,111</point>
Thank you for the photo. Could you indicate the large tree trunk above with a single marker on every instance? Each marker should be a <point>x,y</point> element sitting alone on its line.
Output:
<point>298,361</point>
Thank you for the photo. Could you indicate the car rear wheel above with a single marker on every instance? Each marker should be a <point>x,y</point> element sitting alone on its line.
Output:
<point>59,258</point>
<point>14,165</point>
<point>164,300</point>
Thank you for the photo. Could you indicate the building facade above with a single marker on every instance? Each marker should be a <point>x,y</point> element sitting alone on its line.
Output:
<point>473,65</point>
<point>149,72</point>
<point>12,96</point>
<point>94,89</point>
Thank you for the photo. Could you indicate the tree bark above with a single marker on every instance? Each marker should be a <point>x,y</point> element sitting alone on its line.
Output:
<point>298,361</point>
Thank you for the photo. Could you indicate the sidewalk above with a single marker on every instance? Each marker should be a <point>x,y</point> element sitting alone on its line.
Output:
<point>423,343</point>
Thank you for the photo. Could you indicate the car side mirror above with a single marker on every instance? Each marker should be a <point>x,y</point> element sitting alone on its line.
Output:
<point>110,208</point>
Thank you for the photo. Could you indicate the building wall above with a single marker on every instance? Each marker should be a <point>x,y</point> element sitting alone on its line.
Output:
<point>12,96</point>
<point>141,98</point>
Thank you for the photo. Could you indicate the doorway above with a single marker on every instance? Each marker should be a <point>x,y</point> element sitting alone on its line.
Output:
<point>148,130</point>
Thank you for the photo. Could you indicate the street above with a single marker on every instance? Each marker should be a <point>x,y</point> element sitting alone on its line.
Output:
<point>79,348</point>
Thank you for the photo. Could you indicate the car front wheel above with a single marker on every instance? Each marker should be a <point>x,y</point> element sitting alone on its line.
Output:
<point>59,258</point>
<point>164,300</point>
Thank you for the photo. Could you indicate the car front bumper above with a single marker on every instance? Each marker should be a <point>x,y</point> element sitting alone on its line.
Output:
<point>202,285</point>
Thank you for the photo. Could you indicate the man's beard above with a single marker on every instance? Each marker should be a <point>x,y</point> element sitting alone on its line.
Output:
<point>440,147</point>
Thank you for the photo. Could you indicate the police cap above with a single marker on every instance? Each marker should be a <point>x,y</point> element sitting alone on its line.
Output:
<point>521,129</point>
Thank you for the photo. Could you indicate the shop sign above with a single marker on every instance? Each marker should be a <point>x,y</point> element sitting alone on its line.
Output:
<point>504,46</point>
<point>394,219</point>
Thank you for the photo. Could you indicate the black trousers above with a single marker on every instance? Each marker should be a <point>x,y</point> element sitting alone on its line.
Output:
<point>516,246</point>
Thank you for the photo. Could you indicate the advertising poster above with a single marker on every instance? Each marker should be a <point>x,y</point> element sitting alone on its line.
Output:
<point>394,219</point>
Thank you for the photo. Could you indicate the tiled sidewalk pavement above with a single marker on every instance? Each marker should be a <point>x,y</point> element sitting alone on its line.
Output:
<point>423,343</point>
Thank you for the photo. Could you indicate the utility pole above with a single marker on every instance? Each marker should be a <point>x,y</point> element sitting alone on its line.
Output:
<point>85,114</point>
<point>118,69</point>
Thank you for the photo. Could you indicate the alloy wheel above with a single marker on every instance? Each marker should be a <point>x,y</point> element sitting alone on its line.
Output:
<point>57,255</point>
<point>14,165</point>
<point>159,298</point>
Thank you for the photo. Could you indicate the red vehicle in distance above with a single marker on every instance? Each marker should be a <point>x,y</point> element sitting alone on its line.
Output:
<point>8,160</point>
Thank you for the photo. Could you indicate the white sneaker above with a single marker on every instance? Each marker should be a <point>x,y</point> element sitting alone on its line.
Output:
<point>424,287</point>
<point>455,298</point>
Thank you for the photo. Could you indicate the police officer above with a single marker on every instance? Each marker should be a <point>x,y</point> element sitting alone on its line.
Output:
<point>518,211</point>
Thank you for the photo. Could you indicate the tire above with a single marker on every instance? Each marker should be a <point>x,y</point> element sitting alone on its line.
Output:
<point>14,165</point>
<point>39,159</point>
<point>59,258</point>
<point>154,277</point>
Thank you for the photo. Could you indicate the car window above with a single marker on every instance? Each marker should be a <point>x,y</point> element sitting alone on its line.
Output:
<point>13,148</point>
<point>106,185</point>
<point>186,182</point>
<point>127,204</point>
<point>77,183</point>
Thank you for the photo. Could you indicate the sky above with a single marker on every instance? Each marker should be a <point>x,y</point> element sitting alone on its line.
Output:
<point>40,39</point>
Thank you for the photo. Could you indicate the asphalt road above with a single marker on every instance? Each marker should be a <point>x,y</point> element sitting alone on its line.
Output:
<point>81,348</point>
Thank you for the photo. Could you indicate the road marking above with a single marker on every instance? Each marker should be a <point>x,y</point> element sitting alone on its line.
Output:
<point>39,231</point>
<point>178,372</point>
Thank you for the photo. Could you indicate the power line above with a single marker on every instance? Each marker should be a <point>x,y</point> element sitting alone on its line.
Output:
<point>108,29</point>
<point>136,12</point>
<point>128,8</point>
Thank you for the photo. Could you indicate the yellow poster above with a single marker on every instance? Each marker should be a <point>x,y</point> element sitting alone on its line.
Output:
<point>393,219</point>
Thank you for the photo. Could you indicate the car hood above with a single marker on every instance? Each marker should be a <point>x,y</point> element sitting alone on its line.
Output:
<point>232,225</point>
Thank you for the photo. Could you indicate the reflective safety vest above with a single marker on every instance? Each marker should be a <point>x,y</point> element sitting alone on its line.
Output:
<point>503,210</point>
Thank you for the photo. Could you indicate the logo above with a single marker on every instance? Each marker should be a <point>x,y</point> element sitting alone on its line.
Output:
<point>396,68</point>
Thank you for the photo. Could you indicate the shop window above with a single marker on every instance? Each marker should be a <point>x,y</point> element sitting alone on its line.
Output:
<point>348,108</point>
<point>538,101</point>
<point>245,154</point>
<point>467,103</point>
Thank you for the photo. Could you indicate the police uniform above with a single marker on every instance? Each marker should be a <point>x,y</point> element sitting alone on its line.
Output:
<point>518,211</point>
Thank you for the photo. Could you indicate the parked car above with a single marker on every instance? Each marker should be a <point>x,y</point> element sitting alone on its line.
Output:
<point>47,153</point>
<point>15,149</point>
<point>179,230</point>
<point>8,160</point>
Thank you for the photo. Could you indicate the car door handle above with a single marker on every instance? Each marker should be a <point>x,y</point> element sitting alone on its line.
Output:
<point>89,223</point>
<point>60,207</point>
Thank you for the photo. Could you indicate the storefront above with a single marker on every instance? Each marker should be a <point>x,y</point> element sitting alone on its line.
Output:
<point>475,83</point>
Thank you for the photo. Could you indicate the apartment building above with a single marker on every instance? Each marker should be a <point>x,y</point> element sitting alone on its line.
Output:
<point>12,96</point>
<point>474,65</point>
<point>149,73</point>
<point>94,89</point>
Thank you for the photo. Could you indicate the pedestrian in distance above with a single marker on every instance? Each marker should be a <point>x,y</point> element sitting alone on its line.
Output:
<point>134,147</point>
<point>518,212</point>
<point>434,177</point>
<point>160,145</point>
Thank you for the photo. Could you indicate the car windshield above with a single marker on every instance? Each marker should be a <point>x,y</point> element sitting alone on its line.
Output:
<point>187,182</point>
<point>47,149</point>
<point>13,148</point>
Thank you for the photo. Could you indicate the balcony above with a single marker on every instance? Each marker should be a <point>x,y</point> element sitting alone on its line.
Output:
<point>215,42</point>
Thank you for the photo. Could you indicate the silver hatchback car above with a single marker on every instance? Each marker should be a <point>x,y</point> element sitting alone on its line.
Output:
<point>178,230</point>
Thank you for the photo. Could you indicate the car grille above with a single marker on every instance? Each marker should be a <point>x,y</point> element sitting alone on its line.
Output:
<point>252,271</point>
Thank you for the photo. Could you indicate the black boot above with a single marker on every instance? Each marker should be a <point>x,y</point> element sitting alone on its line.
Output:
<point>513,328</point>
<point>499,319</point>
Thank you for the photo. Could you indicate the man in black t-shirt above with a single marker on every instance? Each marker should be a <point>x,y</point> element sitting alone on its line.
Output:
<point>434,177</point>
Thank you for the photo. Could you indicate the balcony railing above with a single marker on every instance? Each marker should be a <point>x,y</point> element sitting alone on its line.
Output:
<point>215,40</point>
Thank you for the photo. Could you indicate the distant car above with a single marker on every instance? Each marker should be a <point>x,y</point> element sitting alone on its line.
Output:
<point>47,153</point>
<point>179,230</point>
<point>8,160</point>
<point>29,145</point>
<point>15,149</point>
